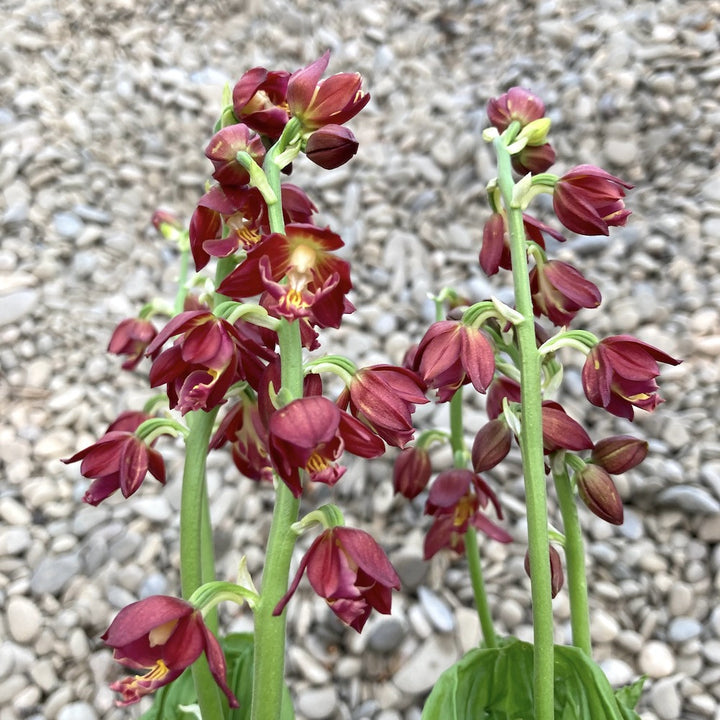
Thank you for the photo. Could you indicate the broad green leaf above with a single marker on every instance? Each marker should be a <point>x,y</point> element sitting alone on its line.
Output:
<point>629,696</point>
<point>496,684</point>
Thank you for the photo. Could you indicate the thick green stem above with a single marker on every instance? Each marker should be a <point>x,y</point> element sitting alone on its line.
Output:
<point>575,562</point>
<point>269,656</point>
<point>482,606</point>
<point>196,551</point>
<point>531,446</point>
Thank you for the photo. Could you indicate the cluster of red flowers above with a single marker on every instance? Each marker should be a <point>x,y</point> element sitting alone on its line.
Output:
<point>203,357</point>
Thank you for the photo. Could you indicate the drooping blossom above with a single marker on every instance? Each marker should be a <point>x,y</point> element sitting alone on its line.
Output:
<point>131,337</point>
<point>310,434</point>
<point>347,568</point>
<point>456,500</point>
<point>259,101</point>
<point>331,146</point>
<point>222,151</point>
<point>411,471</point>
<point>588,200</point>
<point>559,291</point>
<point>491,445</point>
<point>119,460</point>
<point>243,428</point>
<point>208,357</point>
<point>163,635</point>
<point>384,396</point>
<point>227,219</point>
<point>495,249</point>
<point>451,354</point>
<point>619,374</point>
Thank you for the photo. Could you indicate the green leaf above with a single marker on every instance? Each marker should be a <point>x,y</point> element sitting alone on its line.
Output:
<point>496,684</point>
<point>629,696</point>
<point>238,649</point>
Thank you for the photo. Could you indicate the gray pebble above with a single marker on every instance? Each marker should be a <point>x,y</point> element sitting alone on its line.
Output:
<point>689,498</point>
<point>437,610</point>
<point>682,629</point>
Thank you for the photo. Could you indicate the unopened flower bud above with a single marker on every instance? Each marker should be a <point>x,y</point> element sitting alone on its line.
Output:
<point>331,146</point>
<point>619,453</point>
<point>598,492</point>
<point>167,224</point>
<point>536,131</point>
<point>411,472</point>
<point>491,445</point>
<point>557,577</point>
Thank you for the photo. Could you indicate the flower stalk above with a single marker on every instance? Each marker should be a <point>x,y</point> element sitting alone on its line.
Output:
<point>574,559</point>
<point>270,635</point>
<point>531,441</point>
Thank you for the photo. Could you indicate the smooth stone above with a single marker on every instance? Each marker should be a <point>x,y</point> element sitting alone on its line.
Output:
<point>24,619</point>
<point>688,498</point>
<point>411,568</point>
<point>386,634</point>
<point>317,703</point>
<point>604,628</point>
<point>16,305</point>
<point>53,573</point>
<point>437,610</point>
<point>14,540</point>
<point>656,660</point>
<point>67,224</point>
<point>665,699</point>
<point>618,672</point>
<point>77,711</point>
<point>422,669</point>
<point>682,629</point>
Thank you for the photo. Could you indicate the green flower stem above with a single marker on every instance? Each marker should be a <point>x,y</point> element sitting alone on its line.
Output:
<point>270,631</point>
<point>531,448</point>
<point>196,548</point>
<point>575,561</point>
<point>457,442</point>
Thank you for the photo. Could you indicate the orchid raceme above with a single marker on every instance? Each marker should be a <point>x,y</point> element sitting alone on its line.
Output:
<point>239,360</point>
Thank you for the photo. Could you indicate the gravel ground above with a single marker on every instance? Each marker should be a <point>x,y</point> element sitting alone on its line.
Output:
<point>106,106</point>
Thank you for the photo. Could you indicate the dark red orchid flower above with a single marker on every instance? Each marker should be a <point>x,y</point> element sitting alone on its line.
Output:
<point>597,490</point>
<point>243,213</point>
<point>451,354</point>
<point>588,200</point>
<point>163,635</point>
<point>242,427</point>
<point>350,570</point>
<point>332,101</point>
<point>384,396</point>
<point>310,434</point>
<point>131,337</point>
<point>619,453</point>
<point>517,104</point>
<point>411,471</point>
<point>222,151</point>
<point>495,249</point>
<point>619,374</point>
<point>559,291</point>
<point>209,356</point>
<point>119,460</point>
<point>456,500</point>
<point>259,101</point>
<point>331,146</point>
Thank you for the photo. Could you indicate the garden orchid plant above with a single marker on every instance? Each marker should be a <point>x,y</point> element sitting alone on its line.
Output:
<point>234,365</point>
